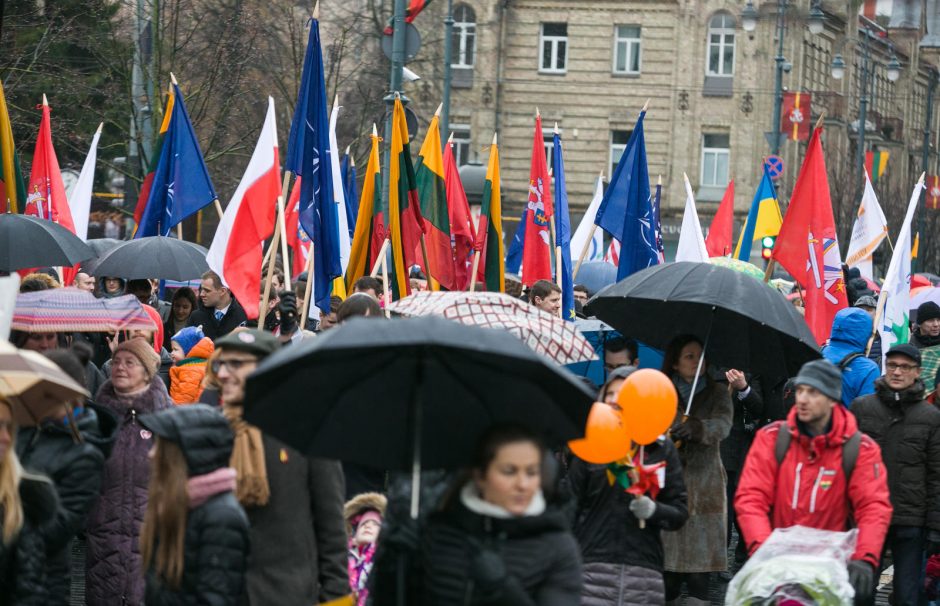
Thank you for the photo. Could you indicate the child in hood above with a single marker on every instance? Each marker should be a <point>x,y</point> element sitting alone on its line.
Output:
<point>190,352</point>
<point>363,514</point>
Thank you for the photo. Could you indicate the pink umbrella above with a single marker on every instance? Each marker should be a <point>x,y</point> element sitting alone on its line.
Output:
<point>924,294</point>
<point>75,310</point>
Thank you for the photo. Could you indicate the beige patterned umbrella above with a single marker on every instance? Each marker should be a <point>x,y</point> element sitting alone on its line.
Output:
<point>547,334</point>
<point>34,385</point>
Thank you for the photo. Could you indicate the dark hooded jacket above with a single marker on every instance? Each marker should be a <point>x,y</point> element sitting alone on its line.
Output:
<point>113,573</point>
<point>75,470</point>
<point>851,330</point>
<point>103,293</point>
<point>23,578</point>
<point>216,543</point>
<point>908,430</point>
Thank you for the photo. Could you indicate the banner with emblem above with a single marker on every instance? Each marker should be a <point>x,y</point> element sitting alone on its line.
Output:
<point>933,192</point>
<point>795,116</point>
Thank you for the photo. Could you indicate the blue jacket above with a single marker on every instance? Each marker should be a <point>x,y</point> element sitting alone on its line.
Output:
<point>851,329</point>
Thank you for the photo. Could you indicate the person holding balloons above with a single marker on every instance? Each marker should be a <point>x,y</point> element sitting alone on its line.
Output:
<point>622,506</point>
<point>702,420</point>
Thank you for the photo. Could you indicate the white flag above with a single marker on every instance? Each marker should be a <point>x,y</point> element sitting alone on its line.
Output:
<point>895,299</point>
<point>80,202</point>
<point>595,251</point>
<point>691,240</point>
<point>870,229</point>
<point>338,196</point>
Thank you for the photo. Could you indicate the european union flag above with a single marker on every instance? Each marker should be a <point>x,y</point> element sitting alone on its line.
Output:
<point>514,253</point>
<point>181,184</point>
<point>626,212</point>
<point>347,169</point>
<point>308,156</point>
<point>563,231</point>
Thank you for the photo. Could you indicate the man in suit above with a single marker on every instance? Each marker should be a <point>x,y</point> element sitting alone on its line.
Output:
<point>220,313</point>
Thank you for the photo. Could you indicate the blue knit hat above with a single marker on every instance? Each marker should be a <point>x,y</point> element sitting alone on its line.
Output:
<point>188,337</point>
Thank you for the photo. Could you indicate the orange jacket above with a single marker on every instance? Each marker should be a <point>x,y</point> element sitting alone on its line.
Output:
<point>186,376</point>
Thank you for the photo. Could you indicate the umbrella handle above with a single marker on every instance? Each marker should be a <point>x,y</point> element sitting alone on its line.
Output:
<point>701,361</point>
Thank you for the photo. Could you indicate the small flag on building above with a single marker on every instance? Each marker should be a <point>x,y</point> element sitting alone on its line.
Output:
<point>875,163</point>
<point>933,192</point>
<point>794,120</point>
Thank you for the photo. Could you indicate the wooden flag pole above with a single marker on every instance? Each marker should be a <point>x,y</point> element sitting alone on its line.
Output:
<point>269,276</point>
<point>285,183</point>
<point>306,305</point>
<point>584,251</point>
<point>378,258</point>
<point>771,264</point>
<point>218,208</point>
<point>475,268</point>
<point>432,283</point>
<point>179,231</point>
<point>386,296</point>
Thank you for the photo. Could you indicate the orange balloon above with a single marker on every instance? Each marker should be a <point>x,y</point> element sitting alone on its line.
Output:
<point>647,401</point>
<point>605,438</point>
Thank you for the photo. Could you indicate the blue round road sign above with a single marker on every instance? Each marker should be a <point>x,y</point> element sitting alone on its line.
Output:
<point>774,166</point>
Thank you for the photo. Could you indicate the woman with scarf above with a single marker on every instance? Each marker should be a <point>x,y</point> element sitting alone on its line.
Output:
<point>619,533</point>
<point>114,573</point>
<point>194,539</point>
<point>363,514</point>
<point>700,547</point>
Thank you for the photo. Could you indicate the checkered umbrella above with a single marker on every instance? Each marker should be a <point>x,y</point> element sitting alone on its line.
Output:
<point>75,310</point>
<point>549,335</point>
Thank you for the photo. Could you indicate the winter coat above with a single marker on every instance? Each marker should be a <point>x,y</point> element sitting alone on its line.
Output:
<point>216,544</point>
<point>606,529</point>
<point>851,330</point>
<point>748,414</point>
<point>205,317</point>
<point>114,574</point>
<point>186,377</point>
<point>622,585</point>
<point>303,518</point>
<point>907,429</point>
<point>75,470</point>
<point>701,544</point>
<point>166,363</point>
<point>23,578</point>
<point>929,358</point>
<point>809,487</point>
<point>538,552</point>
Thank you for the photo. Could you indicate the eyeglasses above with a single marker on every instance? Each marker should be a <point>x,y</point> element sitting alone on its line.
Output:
<point>125,362</point>
<point>233,364</point>
<point>892,366</point>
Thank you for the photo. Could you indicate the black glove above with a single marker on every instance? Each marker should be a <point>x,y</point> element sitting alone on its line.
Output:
<point>401,534</point>
<point>932,546</point>
<point>288,310</point>
<point>862,578</point>
<point>488,573</point>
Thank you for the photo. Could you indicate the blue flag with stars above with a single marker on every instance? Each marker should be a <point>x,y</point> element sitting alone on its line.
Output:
<point>563,231</point>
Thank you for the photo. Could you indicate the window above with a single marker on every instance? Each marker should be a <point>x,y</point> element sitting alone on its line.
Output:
<point>553,48</point>
<point>627,49</point>
<point>465,37</point>
<point>548,140</point>
<point>618,143</point>
<point>461,143</point>
<point>715,159</point>
<point>721,45</point>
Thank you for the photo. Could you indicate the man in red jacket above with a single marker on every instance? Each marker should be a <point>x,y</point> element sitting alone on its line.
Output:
<point>808,477</point>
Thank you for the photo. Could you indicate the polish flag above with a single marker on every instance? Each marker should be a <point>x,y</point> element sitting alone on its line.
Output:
<point>236,251</point>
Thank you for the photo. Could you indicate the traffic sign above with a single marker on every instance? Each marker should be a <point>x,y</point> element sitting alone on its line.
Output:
<point>774,166</point>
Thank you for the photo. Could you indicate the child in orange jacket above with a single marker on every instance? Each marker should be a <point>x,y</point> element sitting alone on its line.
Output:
<point>190,351</point>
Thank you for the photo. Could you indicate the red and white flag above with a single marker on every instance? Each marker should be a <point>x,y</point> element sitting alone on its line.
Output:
<point>613,253</point>
<point>237,248</point>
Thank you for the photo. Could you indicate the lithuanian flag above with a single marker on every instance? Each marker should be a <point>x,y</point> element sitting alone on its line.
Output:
<point>875,163</point>
<point>370,231</point>
<point>144,194</point>
<point>406,226</point>
<point>492,269</point>
<point>429,175</point>
<point>9,164</point>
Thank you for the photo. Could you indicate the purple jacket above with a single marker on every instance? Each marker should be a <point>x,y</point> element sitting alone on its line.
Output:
<point>113,573</point>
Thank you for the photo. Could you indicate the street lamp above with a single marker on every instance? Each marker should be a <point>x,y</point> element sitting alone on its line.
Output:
<point>838,66</point>
<point>894,68</point>
<point>816,23</point>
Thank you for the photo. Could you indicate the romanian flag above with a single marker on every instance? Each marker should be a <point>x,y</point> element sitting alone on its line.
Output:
<point>154,160</point>
<point>491,270</point>
<point>429,175</point>
<point>10,196</point>
<point>406,225</point>
<point>762,220</point>
<point>875,163</point>
<point>371,225</point>
<point>933,192</point>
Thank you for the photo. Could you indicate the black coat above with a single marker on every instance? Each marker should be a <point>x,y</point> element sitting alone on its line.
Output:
<point>748,414</point>
<point>75,469</point>
<point>604,526</point>
<point>205,317</point>
<point>23,579</point>
<point>539,553</point>
<point>907,429</point>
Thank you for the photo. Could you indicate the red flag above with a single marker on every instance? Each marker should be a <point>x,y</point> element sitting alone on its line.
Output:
<point>794,119</point>
<point>536,248</point>
<point>461,224</point>
<point>807,246</point>
<point>718,243</point>
<point>297,238</point>
<point>933,192</point>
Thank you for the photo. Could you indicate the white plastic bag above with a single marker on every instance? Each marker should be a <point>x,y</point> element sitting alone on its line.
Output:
<point>796,566</point>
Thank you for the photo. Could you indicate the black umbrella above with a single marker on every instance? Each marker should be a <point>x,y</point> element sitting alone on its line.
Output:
<point>101,246</point>
<point>410,393</point>
<point>27,241</point>
<point>154,257</point>
<point>743,323</point>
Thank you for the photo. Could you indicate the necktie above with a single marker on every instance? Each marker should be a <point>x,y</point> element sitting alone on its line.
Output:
<point>218,316</point>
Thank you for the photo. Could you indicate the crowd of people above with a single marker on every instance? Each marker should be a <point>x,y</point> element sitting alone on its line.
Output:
<point>169,496</point>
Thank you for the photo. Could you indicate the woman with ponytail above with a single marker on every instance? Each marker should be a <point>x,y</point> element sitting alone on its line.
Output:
<point>194,539</point>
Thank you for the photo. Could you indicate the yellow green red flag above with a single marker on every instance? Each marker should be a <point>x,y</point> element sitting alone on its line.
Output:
<point>12,186</point>
<point>492,267</point>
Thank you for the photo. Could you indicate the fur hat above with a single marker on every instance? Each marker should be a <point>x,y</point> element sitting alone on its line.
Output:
<point>360,504</point>
<point>144,352</point>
